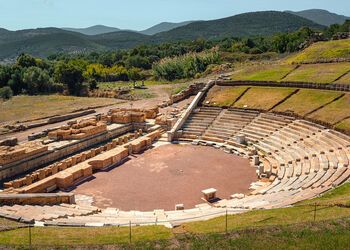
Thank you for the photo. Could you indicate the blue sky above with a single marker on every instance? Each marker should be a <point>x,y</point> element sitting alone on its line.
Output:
<point>140,14</point>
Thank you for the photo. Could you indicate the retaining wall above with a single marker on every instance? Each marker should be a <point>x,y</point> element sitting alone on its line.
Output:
<point>36,199</point>
<point>337,87</point>
<point>54,154</point>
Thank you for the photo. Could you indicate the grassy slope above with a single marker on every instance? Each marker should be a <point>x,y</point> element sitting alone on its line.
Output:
<point>334,112</point>
<point>322,51</point>
<point>223,96</point>
<point>33,107</point>
<point>307,100</point>
<point>344,125</point>
<point>345,79</point>
<point>318,73</point>
<point>263,98</point>
<point>262,72</point>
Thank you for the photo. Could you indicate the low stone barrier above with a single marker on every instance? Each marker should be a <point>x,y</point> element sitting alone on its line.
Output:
<point>337,87</point>
<point>189,110</point>
<point>36,199</point>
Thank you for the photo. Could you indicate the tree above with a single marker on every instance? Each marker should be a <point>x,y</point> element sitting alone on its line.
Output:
<point>6,93</point>
<point>5,75</point>
<point>71,75</point>
<point>15,81</point>
<point>134,75</point>
<point>37,80</point>
<point>25,61</point>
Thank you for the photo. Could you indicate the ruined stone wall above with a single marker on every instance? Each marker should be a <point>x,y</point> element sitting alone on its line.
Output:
<point>27,164</point>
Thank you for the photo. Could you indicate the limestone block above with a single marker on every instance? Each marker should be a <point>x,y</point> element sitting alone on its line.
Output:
<point>62,166</point>
<point>28,180</point>
<point>83,157</point>
<point>41,174</point>
<point>54,169</point>
<point>64,180</point>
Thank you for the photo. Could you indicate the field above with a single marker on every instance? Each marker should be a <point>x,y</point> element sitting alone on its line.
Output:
<point>262,72</point>
<point>306,101</point>
<point>344,125</point>
<point>224,96</point>
<point>345,79</point>
<point>322,51</point>
<point>334,112</point>
<point>294,227</point>
<point>263,98</point>
<point>318,73</point>
<point>34,107</point>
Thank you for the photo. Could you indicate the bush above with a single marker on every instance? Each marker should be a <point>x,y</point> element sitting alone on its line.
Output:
<point>186,66</point>
<point>6,93</point>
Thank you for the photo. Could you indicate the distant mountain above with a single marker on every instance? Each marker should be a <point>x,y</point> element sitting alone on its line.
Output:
<point>162,27</point>
<point>43,42</point>
<point>93,30</point>
<point>46,41</point>
<point>322,17</point>
<point>248,24</point>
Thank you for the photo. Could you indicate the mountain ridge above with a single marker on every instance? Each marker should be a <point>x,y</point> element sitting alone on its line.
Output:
<point>321,16</point>
<point>45,41</point>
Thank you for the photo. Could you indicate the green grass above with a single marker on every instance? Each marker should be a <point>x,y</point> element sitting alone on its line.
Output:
<point>326,235</point>
<point>120,84</point>
<point>345,79</point>
<point>178,88</point>
<point>142,94</point>
<point>307,100</point>
<point>318,73</point>
<point>344,125</point>
<point>262,98</point>
<point>34,107</point>
<point>223,96</point>
<point>322,51</point>
<point>262,72</point>
<point>334,112</point>
<point>65,236</point>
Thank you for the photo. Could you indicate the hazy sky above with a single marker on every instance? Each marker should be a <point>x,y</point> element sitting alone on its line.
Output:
<point>140,14</point>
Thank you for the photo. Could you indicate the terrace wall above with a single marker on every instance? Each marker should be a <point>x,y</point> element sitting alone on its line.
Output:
<point>332,86</point>
<point>17,168</point>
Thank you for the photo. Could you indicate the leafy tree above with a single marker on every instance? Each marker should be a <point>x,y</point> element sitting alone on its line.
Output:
<point>134,75</point>
<point>6,93</point>
<point>37,80</point>
<point>71,75</point>
<point>5,75</point>
<point>15,81</point>
<point>25,61</point>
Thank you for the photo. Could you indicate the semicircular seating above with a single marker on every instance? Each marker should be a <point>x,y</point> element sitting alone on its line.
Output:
<point>300,159</point>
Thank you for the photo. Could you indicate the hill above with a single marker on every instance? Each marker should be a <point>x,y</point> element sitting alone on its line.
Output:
<point>43,42</point>
<point>248,24</point>
<point>323,52</point>
<point>162,27</point>
<point>322,17</point>
<point>93,30</point>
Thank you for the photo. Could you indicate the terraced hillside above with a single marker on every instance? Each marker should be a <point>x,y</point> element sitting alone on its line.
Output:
<point>263,98</point>
<point>322,62</point>
<point>323,52</point>
<point>318,73</point>
<point>324,106</point>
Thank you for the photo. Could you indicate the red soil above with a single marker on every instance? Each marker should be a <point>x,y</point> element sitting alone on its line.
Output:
<point>168,175</point>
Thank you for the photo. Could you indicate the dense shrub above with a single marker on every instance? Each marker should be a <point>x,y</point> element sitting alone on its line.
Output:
<point>186,66</point>
<point>6,93</point>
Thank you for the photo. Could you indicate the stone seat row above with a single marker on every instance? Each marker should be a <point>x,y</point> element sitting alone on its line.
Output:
<point>74,174</point>
<point>42,213</point>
